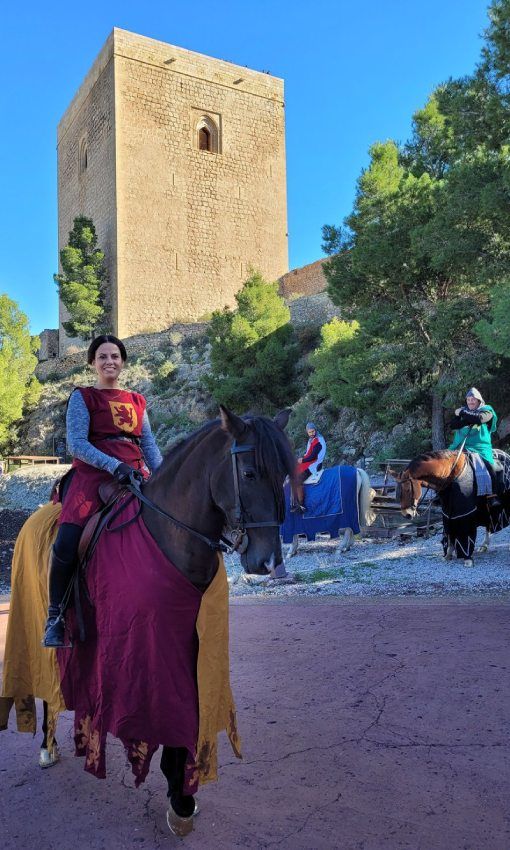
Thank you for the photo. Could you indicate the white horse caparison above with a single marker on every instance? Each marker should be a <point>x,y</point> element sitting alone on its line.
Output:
<point>365,495</point>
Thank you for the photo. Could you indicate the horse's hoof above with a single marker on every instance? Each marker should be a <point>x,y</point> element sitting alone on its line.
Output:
<point>47,758</point>
<point>177,825</point>
<point>483,548</point>
<point>468,562</point>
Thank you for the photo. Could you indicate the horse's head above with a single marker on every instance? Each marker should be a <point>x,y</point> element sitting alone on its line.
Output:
<point>248,486</point>
<point>409,490</point>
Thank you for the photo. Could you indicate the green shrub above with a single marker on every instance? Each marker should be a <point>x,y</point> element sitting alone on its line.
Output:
<point>164,376</point>
<point>253,351</point>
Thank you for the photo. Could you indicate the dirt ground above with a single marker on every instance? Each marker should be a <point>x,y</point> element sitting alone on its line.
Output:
<point>366,724</point>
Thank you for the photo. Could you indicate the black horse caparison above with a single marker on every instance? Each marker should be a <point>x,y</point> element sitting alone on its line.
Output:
<point>451,476</point>
<point>199,484</point>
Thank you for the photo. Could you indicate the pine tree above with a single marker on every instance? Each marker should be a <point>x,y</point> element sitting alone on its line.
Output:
<point>82,284</point>
<point>18,385</point>
<point>253,352</point>
<point>426,252</point>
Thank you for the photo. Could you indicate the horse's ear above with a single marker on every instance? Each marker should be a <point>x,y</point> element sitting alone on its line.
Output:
<point>396,475</point>
<point>282,418</point>
<point>231,423</point>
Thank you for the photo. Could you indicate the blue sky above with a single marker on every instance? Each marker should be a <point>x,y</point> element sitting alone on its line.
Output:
<point>354,73</point>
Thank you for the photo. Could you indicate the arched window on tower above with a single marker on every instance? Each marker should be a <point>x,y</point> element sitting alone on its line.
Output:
<point>204,139</point>
<point>207,135</point>
<point>83,156</point>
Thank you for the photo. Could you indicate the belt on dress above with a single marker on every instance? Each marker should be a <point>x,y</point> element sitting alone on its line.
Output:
<point>130,439</point>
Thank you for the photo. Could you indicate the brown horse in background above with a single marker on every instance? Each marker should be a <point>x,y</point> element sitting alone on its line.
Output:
<point>451,476</point>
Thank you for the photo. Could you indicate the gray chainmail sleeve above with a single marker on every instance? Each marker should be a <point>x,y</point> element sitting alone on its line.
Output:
<point>78,423</point>
<point>151,453</point>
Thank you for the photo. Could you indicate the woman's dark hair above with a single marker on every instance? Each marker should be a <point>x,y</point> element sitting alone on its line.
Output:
<point>99,340</point>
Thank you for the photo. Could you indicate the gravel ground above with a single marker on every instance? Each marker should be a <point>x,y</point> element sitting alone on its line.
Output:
<point>29,487</point>
<point>10,524</point>
<point>371,568</point>
<point>383,568</point>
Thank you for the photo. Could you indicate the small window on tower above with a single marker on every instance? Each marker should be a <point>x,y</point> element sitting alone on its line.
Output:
<point>207,135</point>
<point>83,157</point>
<point>204,139</point>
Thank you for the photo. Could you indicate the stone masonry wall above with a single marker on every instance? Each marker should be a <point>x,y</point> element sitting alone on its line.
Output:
<point>308,280</point>
<point>138,344</point>
<point>180,226</point>
<point>48,345</point>
<point>192,222</point>
<point>87,130</point>
<point>313,310</point>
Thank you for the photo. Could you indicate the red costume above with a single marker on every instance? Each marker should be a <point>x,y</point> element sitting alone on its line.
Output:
<point>113,413</point>
<point>313,450</point>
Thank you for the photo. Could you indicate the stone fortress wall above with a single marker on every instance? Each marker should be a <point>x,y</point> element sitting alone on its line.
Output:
<point>307,280</point>
<point>180,225</point>
<point>311,310</point>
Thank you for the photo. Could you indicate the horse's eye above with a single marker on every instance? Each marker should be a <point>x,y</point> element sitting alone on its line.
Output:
<point>249,474</point>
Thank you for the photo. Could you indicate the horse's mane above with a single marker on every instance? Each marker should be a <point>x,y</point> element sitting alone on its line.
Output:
<point>274,458</point>
<point>443,454</point>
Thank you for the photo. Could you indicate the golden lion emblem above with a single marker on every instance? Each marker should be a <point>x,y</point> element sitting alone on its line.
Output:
<point>124,415</point>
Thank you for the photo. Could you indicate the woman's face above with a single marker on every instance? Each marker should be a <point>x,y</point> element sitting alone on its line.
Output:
<point>108,362</point>
<point>472,402</point>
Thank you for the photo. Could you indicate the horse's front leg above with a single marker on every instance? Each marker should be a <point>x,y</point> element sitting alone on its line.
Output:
<point>47,757</point>
<point>464,538</point>
<point>181,807</point>
<point>347,540</point>
<point>447,542</point>
<point>293,547</point>
<point>486,540</point>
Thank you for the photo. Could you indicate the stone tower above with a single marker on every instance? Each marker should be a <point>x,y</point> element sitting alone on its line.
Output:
<point>179,159</point>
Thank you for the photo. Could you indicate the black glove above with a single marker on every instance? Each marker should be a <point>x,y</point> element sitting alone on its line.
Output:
<point>469,417</point>
<point>124,474</point>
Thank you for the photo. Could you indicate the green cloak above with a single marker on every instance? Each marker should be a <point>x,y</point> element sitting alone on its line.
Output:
<point>478,436</point>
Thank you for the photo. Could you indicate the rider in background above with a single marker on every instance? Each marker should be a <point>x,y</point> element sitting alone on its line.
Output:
<point>476,422</point>
<point>109,435</point>
<point>310,463</point>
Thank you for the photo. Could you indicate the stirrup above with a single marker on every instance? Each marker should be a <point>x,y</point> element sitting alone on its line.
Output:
<point>54,633</point>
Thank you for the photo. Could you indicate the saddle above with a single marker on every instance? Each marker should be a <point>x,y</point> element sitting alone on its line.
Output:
<point>109,493</point>
<point>315,478</point>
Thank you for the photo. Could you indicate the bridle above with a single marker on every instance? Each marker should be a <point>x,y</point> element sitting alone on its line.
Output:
<point>238,543</point>
<point>448,480</point>
<point>239,537</point>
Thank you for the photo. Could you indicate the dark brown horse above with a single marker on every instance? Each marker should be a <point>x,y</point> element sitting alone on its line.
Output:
<point>451,476</point>
<point>225,480</point>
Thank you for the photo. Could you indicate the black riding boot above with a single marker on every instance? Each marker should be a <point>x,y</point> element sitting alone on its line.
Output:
<point>61,573</point>
<point>497,482</point>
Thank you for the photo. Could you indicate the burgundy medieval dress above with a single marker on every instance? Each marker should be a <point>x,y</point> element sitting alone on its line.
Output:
<point>115,428</point>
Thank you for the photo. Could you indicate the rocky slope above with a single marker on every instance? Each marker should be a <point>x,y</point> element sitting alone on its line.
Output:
<point>167,368</point>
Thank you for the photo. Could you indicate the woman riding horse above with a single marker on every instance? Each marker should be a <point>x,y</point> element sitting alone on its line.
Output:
<point>309,464</point>
<point>108,434</point>
<point>473,425</point>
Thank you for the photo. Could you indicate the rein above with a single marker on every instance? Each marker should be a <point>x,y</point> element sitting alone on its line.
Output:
<point>450,477</point>
<point>239,540</point>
